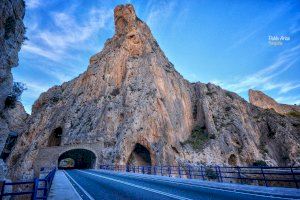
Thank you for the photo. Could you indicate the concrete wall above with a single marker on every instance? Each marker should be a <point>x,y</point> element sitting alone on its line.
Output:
<point>48,156</point>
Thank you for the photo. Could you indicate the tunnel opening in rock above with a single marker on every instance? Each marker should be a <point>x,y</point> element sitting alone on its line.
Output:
<point>140,156</point>
<point>55,137</point>
<point>77,159</point>
<point>9,144</point>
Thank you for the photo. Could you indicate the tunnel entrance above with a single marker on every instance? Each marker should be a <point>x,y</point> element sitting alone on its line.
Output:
<point>140,156</point>
<point>77,159</point>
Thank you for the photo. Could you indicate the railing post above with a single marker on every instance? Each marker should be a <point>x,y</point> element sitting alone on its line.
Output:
<point>127,168</point>
<point>169,171</point>
<point>143,170</point>
<point>201,171</point>
<point>239,174</point>
<point>297,186</point>
<point>161,171</point>
<point>190,173</point>
<point>154,170</point>
<point>221,178</point>
<point>217,172</point>
<point>179,171</point>
<point>35,188</point>
<point>262,171</point>
<point>2,190</point>
<point>46,188</point>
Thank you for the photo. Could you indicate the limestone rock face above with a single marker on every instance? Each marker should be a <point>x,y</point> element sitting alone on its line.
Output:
<point>242,133</point>
<point>11,37</point>
<point>261,100</point>
<point>131,94</point>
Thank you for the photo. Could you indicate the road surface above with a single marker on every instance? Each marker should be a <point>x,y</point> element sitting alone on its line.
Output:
<point>100,184</point>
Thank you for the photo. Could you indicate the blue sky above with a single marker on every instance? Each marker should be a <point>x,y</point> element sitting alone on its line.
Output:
<point>224,42</point>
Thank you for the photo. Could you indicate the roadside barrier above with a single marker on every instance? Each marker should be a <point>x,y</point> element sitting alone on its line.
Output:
<point>256,175</point>
<point>39,187</point>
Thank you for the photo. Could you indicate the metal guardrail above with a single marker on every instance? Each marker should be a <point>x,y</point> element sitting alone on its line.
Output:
<point>40,187</point>
<point>267,176</point>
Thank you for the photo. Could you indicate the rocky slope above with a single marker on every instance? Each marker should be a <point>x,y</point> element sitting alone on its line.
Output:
<point>132,94</point>
<point>12,118</point>
<point>262,100</point>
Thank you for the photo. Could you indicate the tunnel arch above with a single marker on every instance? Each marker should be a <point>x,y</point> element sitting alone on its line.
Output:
<point>77,159</point>
<point>140,156</point>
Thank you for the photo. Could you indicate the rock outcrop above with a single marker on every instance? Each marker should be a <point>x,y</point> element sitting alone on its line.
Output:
<point>12,119</point>
<point>262,100</point>
<point>132,99</point>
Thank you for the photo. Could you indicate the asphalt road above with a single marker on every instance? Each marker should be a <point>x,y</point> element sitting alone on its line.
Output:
<point>99,184</point>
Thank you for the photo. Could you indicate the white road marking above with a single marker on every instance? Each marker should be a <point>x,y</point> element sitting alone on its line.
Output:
<point>73,187</point>
<point>140,187</point>
<point>209,187</point>
<point>83,190</point>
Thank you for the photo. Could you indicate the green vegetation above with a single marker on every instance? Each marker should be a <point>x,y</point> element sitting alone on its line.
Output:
<point>211,173</point>
<point>18,88</point>
<point>260,163</point>
<point>199,137</point>
<point>294,114</point>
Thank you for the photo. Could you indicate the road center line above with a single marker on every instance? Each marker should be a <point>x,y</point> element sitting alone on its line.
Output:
<point>140,187</point>
<point>83,190</point>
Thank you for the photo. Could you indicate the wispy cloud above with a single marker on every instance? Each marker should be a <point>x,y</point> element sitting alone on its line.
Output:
<point>66,33</point>
<point>32,3</point>
<point>34,49</point>
<point>264,79</point>
<point>295,27</point>
<point>289,99</point>
<point>158,12</point>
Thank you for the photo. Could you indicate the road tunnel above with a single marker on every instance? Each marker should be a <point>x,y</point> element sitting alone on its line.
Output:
<point>77,159</point>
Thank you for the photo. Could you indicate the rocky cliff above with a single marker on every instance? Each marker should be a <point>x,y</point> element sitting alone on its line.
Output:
<point>12,118</point>
<point>131,94</point>
<point>262,100</point>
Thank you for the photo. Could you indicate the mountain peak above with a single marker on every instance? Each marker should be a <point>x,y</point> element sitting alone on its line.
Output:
<point>125,19</point>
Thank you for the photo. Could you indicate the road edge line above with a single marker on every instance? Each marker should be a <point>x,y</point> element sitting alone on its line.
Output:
<point>83,190</point>
<point>72,186</point>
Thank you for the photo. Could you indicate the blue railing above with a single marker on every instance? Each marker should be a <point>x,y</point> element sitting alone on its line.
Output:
<point>39,187</point>
<point>267,176</point>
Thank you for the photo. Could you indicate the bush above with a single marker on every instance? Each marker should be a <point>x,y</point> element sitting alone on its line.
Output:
<point>198,138</point>
<point>294,114</point>
<point>260,163</point>
<point>15,95</point>
<point>211,173</point>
